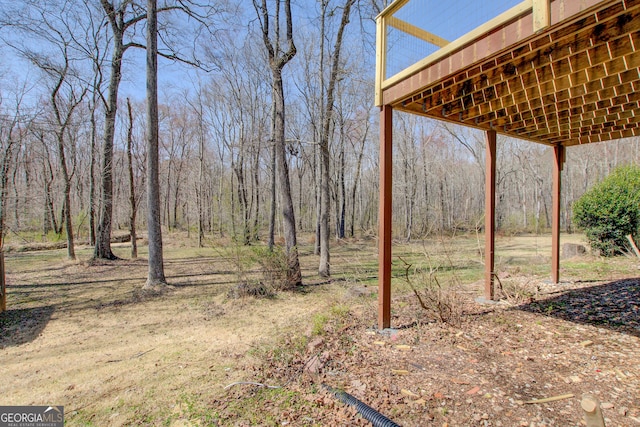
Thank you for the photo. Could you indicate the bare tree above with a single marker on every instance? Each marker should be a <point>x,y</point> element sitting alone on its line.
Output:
<point>156,261</point>
<point>132,188</point>
<point>53,55</point>
<point>280,52</point>
<point>324,268</point>
<point>124,16</point>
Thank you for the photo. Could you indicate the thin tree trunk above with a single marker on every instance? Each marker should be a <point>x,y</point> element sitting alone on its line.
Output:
<point>132,187</point>
<point>71,254</point>
<point>343,190</point>
<point>356,180</point>
<point>272,212</point>
<point>200,189</point>
<point>324,267</point>
<point>92,180</point>
<point>50,222</point>
<point>256,194</point>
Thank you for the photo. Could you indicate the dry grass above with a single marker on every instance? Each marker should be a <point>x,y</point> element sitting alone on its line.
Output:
<point>85,336</point>
<point>115,355</point>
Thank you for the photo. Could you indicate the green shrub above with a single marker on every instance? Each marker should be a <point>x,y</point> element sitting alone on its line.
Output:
<point>610,211</point>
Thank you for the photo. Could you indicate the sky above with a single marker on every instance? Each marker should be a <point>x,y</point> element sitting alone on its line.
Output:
<point>173,76</point>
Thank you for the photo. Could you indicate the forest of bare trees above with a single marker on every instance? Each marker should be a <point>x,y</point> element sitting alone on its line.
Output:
<point>74,157</point>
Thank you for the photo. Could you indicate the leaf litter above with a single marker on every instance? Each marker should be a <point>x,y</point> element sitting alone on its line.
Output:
<point>507,364</point>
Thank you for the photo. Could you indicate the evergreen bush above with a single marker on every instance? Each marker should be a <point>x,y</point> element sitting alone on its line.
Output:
<point>610,211</point>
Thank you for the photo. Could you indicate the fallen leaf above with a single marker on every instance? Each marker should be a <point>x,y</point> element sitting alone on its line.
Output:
<point>586,343</point>
<point>459,381</point>
<point>380,343</point>
<point>473,390</point>
<point>400,372</point>
<point>403,347</point>
<point>409,393</point>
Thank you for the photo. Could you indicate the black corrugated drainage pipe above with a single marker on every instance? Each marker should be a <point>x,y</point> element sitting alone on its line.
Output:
<point>370,414</point>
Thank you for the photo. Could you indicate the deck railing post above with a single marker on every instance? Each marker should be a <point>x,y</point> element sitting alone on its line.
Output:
<point>541,14</point>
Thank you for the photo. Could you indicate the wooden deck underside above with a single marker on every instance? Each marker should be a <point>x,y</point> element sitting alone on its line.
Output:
<point>575,82</point>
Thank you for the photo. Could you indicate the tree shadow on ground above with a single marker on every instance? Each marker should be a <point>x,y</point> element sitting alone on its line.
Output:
<point>614,305</point>
<point>23,325</point>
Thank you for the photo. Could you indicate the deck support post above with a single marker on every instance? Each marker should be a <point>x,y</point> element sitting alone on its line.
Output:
<point>489,214</point>
<point>559,157</point>
<point>384,218</point>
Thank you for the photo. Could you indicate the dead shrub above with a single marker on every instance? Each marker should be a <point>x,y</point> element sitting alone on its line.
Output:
<point>516,291</point>
<point>441,300</point>
<point>250,289</point>
<point>274,267</point>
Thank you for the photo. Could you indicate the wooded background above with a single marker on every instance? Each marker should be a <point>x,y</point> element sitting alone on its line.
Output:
<point>216,127</point>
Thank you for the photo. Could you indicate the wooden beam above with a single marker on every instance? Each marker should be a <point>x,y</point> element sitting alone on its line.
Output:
<point>395,6</point>
<point>541,14</point>
<point>558,156</point>
<point>384,218</point>
<point>381,57</point>
<point>489,214</point>
<point>417,32</point>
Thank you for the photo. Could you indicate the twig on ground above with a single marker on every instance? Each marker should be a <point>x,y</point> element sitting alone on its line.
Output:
<point>251,383</point>
<point>551,399</point>
<point>135,356</point>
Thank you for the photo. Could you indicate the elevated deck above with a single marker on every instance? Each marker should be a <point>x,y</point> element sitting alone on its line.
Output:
<point>554,72</point>
<point>564,72</point>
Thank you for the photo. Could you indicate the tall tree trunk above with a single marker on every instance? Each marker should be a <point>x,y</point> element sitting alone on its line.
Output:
<point>102,248</point>
<point>50,222</point>
<point>356,180</point>
<point>294,274</point>
<point>156,262</point>
<point>132,187</point>
<point>325,202</point>
<point>343,188</point>
<point>255,235</point>
<point>278,58</point>
<point>71,253</point>
<point>92,179</point>
<point>274,168</point>
<point>200,188</point>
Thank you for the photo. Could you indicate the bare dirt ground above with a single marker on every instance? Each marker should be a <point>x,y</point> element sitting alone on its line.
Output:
<point>84,336</point>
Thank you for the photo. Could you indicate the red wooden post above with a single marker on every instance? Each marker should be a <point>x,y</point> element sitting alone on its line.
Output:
<point>384,219</point>
<point>489,214</point>
<point>558,152</point>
